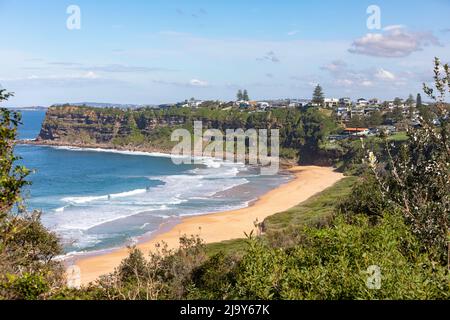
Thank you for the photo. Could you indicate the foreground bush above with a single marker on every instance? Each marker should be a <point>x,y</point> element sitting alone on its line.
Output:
<point>333,263</point>
<point>339,261</point>
<point>27,249</point>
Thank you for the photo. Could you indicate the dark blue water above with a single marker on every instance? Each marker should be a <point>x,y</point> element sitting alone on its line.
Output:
<point>32,121</point>
<point>96,199</point>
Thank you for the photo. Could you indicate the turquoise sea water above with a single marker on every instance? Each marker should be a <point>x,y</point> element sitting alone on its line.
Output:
<point>97,199</point>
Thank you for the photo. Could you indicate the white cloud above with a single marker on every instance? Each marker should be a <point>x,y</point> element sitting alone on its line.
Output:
<point>382,74</point>
<point>90,75</point>
<point>367,83</point>
<point>192,83</point>
<point>344,82</point>
<point>119,68</point>
<point>393,27</point>
<point>87,75</point>
<point>198,83</point>
<point>335,66</point>
<point>293,32</point>
<point>395,42</point>
<point>346,76</point>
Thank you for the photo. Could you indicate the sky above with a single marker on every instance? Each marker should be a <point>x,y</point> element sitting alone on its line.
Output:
<point>164,51</point>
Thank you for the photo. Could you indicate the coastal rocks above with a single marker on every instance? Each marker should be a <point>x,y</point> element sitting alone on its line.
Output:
<point>108,126</point>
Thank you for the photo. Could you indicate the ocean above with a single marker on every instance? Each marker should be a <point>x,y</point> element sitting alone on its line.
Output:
<point>102,199</point>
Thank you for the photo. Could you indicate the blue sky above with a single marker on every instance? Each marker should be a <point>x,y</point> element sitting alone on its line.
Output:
<point>149,52</point>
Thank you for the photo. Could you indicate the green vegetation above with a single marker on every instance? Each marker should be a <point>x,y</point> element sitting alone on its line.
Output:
<point>242,96</point>
<point>333,261</point>
<point>419,101</point>
<point>315,211</point>
<point>398,137</point>
<point>301,132</point>
<point>27,249</point>
<point>318,96</point>
<point>383,235</point>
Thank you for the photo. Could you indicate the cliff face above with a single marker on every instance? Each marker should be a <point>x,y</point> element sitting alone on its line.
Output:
<point>150,130</point>
<point>94,126</point>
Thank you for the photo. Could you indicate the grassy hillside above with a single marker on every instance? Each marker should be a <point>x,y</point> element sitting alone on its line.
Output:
<point>314,211</point>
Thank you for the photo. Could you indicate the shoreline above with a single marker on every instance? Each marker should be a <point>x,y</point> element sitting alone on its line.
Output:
<point>145,151</point>
<point>96,147</point>
<point>218,227</point>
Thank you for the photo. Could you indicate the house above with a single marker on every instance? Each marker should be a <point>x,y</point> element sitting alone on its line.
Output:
<point>362,103</point>
<point>191,103</point>
<point>243,104</point>
<point>331,103</point>
<point>374,102</point>
<point>356,131</point>
<point>357,112</point>
<point>195,103</point>
<point>370,110</point>
<point>337,137</point>
<point>344,102</point>
<point>387,129</point>
<point>389,105</point>
<point>280,104</point>
<point>263,105</point>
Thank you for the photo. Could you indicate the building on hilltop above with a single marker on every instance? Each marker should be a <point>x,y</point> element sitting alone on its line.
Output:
<point>345,102</point>
<point>331,103</point>
<point>361,103</point>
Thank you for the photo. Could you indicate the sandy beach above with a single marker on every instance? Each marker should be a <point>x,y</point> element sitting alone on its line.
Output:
<point>309,180</point>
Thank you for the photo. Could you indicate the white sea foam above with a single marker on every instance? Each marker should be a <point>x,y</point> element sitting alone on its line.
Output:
<point>144,225</point>
<point>84,218</point>
<point>210,162</point>
<point>82,200</point>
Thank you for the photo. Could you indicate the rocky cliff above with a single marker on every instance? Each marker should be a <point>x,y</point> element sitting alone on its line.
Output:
<point>150,129</point>
<point>70,125</point>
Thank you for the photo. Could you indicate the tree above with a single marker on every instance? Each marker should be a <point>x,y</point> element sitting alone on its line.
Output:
<point>375,119</point>
<point>27,269</point>
<point>415,178</point>
<point>357,122</point>
<point>245,96</point>
<point>410,101</point>
<point>12,179</point>
<point>240,95</point>
<point>318,96</point>
<point>398,102</point>
<point>419,100</point>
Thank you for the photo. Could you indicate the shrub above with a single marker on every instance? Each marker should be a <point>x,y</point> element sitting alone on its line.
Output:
<point>332,263</point>
<point>27,249</point>
<point>166,274</point>
<point>25,287</point>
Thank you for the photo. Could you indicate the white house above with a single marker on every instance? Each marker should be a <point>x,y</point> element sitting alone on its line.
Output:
<point>361,103</point>
<point>263,105</point>
<point>331,103</point>
<point>345,103</point>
